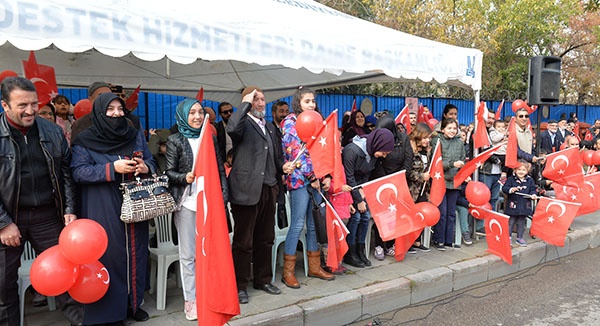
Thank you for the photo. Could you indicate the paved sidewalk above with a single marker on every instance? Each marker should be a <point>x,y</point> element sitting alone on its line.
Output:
<point>383,287</point>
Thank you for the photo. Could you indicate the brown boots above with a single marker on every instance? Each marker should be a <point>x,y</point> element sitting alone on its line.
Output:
<point>314,267</point>
<point>289,265</point>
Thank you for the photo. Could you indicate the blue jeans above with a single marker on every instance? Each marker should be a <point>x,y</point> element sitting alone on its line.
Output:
<point>301,211</point>
<point>443,231</point>
<point>358,225</point>
<point>491,181</point>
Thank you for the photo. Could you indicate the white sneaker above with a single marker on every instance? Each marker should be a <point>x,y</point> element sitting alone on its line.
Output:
<point>378,253</point>
<point>191,311</point>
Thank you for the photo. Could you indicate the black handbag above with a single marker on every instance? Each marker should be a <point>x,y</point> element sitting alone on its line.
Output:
<point>145,199</point>
<point>319,218</point>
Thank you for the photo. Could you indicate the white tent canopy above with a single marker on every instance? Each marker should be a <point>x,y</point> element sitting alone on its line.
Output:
<point>178,46</point>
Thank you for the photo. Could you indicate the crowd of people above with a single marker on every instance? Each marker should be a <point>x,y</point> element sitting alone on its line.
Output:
<point>56,169</point>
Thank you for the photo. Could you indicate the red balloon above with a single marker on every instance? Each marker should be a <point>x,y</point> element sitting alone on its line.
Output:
<point>83,241</point>
<point>517,104</point>
<point>477,193</point>
<point>587,157</point>
<point>51,273</point>
<point>430,212</point>
<point>91,284</point>
<point>308,124</point>
<point>7,73</point>
<point>596,158</point>
<point>82,108</point>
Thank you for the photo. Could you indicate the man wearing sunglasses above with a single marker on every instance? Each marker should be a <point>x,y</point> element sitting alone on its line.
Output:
<point>223,139</point>
<point>525,138</point>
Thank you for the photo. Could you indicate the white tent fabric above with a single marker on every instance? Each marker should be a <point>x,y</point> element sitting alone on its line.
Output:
<point>178,46</point>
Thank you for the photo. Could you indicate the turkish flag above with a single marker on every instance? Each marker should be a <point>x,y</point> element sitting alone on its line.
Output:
<point>390,204</point>
<point>512,147</point>
<point>499,111</point>
<point>576,131</point>
<point>436,174</point>
<point>200,94</point>
<point>588,135</point>
<point>404,118</point>
<point>326,152</point>
<point>336,237</point>
<point>481,137</point>
<point>42,77</point>
<point>586,194</point>
<point>552,219</point>
<point>216,289</point>
<point>403,243</point>
<point>564,167</point>
<point>474,164</point>
<point>426,117</point>
<point>497,234</point>
<point>590,182</point>
<point>132,101</point>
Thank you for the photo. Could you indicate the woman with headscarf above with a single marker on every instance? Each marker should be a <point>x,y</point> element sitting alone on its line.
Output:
<point>182,152</point>
<point>360,158</point>
<point>105,155</point>
<point>355,128</point>
<point>401,158</point>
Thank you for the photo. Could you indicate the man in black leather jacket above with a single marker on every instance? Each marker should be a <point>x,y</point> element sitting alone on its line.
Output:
<point>36,194</point>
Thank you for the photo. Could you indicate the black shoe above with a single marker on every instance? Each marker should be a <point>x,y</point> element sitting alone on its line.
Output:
<point>139,315</point>
<point>269,288</point>
<point>360,252</point>
<point>422,248</point>
<point>439,246</point>
<point>411,250</point>
<point>243,296</point>
<point>352,259</point>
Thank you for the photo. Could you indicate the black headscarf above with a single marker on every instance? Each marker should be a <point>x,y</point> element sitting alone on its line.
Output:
<point>108,135</point>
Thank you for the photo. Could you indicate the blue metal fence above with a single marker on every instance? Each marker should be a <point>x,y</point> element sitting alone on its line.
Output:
<point>158,110</point>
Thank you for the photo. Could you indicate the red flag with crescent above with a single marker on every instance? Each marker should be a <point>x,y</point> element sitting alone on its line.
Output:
<point>552,219</point>
<point>474,164</point>
<point>391,204</point>
<point>497,234</point>
<point>436,174</point>
<point>214,262</point>
<point>564,167</point>
<point>42,77</point>
<point>336,237</point>
<point>403,243</point>
<point>499,111</point>
<point>481,137</point>
<point>326,152</point>
<point>512,147</point>
<point>132,101</point>
<point>404,118</point>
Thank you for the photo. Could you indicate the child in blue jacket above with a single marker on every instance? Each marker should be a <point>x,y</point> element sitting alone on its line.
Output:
<point>521,189</point>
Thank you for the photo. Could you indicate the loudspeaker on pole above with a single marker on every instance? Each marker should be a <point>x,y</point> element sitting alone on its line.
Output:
<point>544,80</point>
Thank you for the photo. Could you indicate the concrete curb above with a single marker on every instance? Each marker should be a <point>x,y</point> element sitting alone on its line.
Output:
<point>351,306</point>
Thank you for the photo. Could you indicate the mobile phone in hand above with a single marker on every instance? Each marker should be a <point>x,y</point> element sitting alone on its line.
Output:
<point>138,154</point>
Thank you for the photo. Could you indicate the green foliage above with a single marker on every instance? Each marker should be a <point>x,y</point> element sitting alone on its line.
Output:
<point>509,32</point>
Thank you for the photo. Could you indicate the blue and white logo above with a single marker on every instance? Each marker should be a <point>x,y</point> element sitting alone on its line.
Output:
<point>470,66</point>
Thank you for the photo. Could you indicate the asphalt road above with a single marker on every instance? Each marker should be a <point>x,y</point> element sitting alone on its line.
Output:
<point>560,292</point>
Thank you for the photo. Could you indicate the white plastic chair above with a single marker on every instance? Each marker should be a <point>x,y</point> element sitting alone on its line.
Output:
<point>161,257</point>
<point>280,235</point>
<point>24,282</point>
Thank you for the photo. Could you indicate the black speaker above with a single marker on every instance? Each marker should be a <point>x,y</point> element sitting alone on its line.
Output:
<point>544,80</point>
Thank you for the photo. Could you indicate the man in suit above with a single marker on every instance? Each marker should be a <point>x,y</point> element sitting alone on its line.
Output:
<point>279,111</point>
<point>257,165</point>
<point>549,137</point>
<point>223,139</point>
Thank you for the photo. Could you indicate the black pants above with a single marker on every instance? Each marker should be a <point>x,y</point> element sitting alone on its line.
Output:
<point>41,227</point>
<point>253,239</point>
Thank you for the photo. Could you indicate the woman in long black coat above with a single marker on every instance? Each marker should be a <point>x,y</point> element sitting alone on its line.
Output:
<point>102,159</point>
